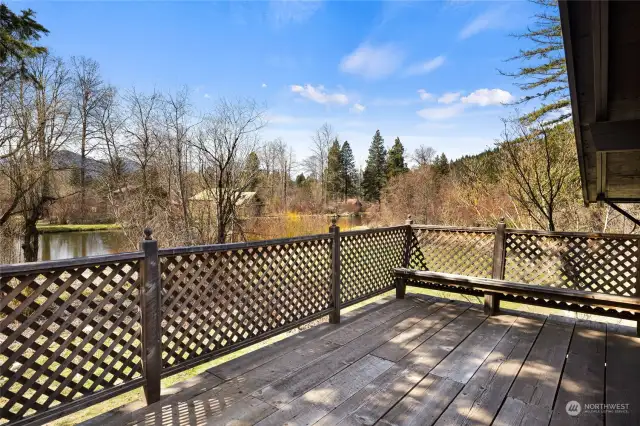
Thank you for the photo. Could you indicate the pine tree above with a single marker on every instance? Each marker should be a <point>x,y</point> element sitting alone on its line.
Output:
<point>17,33</point>
<point>349,172</point>
<point>375,176</point>
<point>395,160</point>
<point>334,174</point>
<point>543,73</point>
<point>253,170</point>
<point>441,165</point>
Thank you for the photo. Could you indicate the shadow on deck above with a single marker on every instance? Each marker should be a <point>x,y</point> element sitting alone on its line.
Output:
<point>418,361</point>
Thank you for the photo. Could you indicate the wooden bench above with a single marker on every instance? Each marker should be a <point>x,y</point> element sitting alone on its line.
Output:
<point>494,290</point>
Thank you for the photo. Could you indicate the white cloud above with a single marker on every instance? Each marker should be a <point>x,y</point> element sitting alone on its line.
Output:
<point>264,85</point>
<point>425,67</point>
<point>491,19</point>
<point>357,108</point>
<point>485,97</point>
<point>207,96</point>
<point>443,113</point>
<point>319,95</point>
<point>292,11</point>
<point>449,97</point>
<point>373,62</point>
<point>424,95</point>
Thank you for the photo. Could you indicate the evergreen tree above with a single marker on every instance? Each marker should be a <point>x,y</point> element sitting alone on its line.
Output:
<point>17,33</point>
<point>349,172</point>
<point>441,165</point>
<point>301,180</point>
<point>334,174</point>
<point>375,175</point>
<point>543,73</point>
<point>395,160</point>
<point>253,170</point>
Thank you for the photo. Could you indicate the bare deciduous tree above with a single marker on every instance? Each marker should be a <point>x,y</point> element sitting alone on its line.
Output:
<point>541,170</point>
<point>88,93</point>
<point>226,138</point>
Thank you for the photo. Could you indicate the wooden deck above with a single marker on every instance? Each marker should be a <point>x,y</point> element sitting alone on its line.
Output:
<point>418,361</point>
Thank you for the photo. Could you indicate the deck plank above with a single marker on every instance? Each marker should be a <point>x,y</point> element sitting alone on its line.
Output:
<point>245,412</point>
<point>291,387</point>
<point>357,328</point>
<point>623,377</point>
<point>483,395</point>
<point>461,364</point>
<point>367,407</point>
<point>231,391</point>
<point>442,314</point>
<point>583,376</point>
<point>254,359</point>
<point>320,400</point>
<point>530,399</point>
<point>424,403</point>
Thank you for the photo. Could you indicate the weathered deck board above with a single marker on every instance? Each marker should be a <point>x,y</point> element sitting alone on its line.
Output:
<point>398,347</point>
<point>357,328</point>
<point>530,400</point>
<point>483,395</point>
<point>461,364</point>
<point>231,391</point>
<point>424,403</point>
<point>411,370</point>
<point>583,376</point>
<point>623,377</point>
<point>245,412</point>
<point>317,402</point>
<point>247,362</point>
<point>292,386</point>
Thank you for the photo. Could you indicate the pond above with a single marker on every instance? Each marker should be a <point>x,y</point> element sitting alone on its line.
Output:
<point>65,245</point>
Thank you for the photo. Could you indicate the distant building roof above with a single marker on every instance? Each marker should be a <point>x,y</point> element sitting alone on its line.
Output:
<point>210,195</point>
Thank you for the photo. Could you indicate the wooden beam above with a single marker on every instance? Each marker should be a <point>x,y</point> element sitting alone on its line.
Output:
<point>565,22</point>
<point>600,32</point>
<point>612,136</point>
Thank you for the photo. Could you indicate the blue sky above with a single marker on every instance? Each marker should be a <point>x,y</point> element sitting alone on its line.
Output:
<point>424,71</point>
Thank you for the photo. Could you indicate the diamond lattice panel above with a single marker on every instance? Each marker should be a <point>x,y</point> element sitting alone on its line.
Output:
<point>212,300</point>
<point>65,334</point>
<point>367,261</point>
<point>602,264</point>
<point>454,252</point>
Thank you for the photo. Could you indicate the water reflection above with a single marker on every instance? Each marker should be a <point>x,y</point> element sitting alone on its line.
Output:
<point>65,245</point>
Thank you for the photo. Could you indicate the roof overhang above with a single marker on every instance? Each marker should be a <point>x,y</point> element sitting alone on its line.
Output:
<point>602,47</point>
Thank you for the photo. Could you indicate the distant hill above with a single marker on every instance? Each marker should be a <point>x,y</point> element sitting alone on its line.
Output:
<point>94,168</point>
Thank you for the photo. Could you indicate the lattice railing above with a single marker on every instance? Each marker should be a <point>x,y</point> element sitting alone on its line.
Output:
<point>68,330</point>
<point>453,250</point>
<point>367,259</point>
<point>215,300</point>
<point>606,264</point>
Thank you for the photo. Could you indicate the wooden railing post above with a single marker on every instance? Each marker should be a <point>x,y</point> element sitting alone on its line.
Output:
<point>401,283</point>
<point>334,229</point>
<point>492,300</point>
<point>151,317</point>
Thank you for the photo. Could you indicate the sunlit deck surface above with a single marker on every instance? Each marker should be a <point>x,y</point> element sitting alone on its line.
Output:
<point>417,361</point>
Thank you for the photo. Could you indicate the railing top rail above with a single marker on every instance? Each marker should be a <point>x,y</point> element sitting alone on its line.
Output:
<point>48,265</point>
<point>371,230</point>
<point>571,234</point>
<point>241,245</point>
<point>455,228</point>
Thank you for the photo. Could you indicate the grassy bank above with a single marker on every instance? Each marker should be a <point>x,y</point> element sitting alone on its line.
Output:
<point>46,229</point>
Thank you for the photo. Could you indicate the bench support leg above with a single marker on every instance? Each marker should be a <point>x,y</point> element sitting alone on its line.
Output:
<point>401,288</point>
<point>491,303</point>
